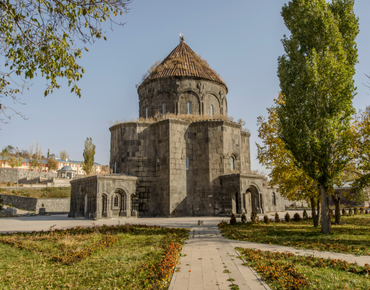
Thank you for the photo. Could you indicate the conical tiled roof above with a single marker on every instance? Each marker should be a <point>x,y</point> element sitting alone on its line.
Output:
<point>183,61</point>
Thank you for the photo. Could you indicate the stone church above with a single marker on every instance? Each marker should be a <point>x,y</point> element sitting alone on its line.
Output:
<point>177,166</point>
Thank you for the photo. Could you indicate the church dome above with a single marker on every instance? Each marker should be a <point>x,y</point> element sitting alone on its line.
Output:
<point>184,62</point>
<point>183,83</point>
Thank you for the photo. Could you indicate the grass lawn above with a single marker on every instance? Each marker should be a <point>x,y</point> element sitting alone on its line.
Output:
<point>287,271</point>
<point>353,236</point>
<point>106,257</point>
<point>47,192</point>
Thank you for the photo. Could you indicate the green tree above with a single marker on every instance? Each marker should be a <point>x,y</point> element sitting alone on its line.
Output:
<point>34,164</point>
<point>293,181</point>
<point>15,162</point>
<point>63,155</point>
<point>89,153</point>
<point>46,36</point>
<point>4,154</point>
<point>52,164</point>
<point>316,79</point>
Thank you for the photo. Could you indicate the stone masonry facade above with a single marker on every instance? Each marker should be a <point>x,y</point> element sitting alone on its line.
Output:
<point>175,167</point>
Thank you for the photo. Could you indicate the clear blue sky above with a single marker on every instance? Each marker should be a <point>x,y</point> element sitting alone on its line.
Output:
<point>240,39</point>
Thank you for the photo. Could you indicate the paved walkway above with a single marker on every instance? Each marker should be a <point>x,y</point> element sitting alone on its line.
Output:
<point>208,260</point>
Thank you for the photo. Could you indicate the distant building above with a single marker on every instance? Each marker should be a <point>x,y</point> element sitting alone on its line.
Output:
<point>75,165</point>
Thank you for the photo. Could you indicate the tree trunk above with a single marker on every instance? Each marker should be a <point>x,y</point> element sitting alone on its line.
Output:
<point>314,216</point>
<point>325,216</point>
<point>318,211</point>
<point>337,209</point>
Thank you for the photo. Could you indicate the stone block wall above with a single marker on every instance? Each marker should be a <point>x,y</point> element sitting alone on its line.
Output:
<point>157,153</point>
<point>52,205</point>
<point>176,92</point>
<point>10,174</point>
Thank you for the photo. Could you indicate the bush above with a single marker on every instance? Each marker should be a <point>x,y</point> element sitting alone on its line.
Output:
<point>296,217</point>
<point>362,210</point>
<point>366,211</point>
<point>232,219</point>
<point>344,212</point>
<point>13,191</point>
<point>350,212</point>
<point>305,215</point>
<point>355,211</point>
<point>266,219</point>
<point>287,217</point>
<point>8,184</point>
<point>254,217</point>
<point>1,203</point>
<point>277,218</point>
<point>10,205</point>
<point>244,218</point>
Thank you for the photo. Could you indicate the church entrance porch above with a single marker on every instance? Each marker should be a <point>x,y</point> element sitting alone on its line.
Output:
<point>103,196</point>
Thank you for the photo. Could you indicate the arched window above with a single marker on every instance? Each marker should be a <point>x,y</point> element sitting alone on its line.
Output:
<point>187,163</point>
<point>190,108</point>
<point>273,198</point>
<point>211,111</point>
<point>232,163</point>
<point>164,109</point>
<point>116,200</point>
<point>146,113</point>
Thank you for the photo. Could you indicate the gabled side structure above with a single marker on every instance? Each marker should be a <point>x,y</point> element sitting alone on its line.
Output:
<point>186,168</point>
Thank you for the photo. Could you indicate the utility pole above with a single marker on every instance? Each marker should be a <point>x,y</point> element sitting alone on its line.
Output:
<point>17,166</point>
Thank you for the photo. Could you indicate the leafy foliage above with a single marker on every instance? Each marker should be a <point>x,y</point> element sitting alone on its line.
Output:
<point>316,79</point>
<point>89,153</point>
<point>52,164</point>
<point>44,35</point>
<point>232,219</point>
<point>293,181</point>
<point>14,161</point>
<point>63,155</point>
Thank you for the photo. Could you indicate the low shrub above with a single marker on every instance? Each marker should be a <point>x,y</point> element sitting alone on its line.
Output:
<point>232,219</point>
<point>266,219</point>
<point>287,217</point>
<point>277,218</point>
<point>244,218</point>
<point>13,191</point>
<point>344,212</point>
<point>305,215</point>
<point>8,184</point>
<point>254,217</point>
<point>366,211</point>
<point>222,224</point>
<point>350,212</point>
<point>355,211</point>
<point>296,217</point>
<point>10,205</point>
<point>362,210</point>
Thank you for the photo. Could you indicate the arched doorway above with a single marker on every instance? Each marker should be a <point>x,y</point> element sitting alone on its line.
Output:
<point>255,199</point>
<point>104,205</point>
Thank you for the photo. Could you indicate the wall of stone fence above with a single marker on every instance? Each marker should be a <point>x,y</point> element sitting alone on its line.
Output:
<point>10,175</point>
<point>52,205</point>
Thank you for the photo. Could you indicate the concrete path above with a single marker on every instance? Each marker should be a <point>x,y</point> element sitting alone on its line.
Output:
<point>208,261</point>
